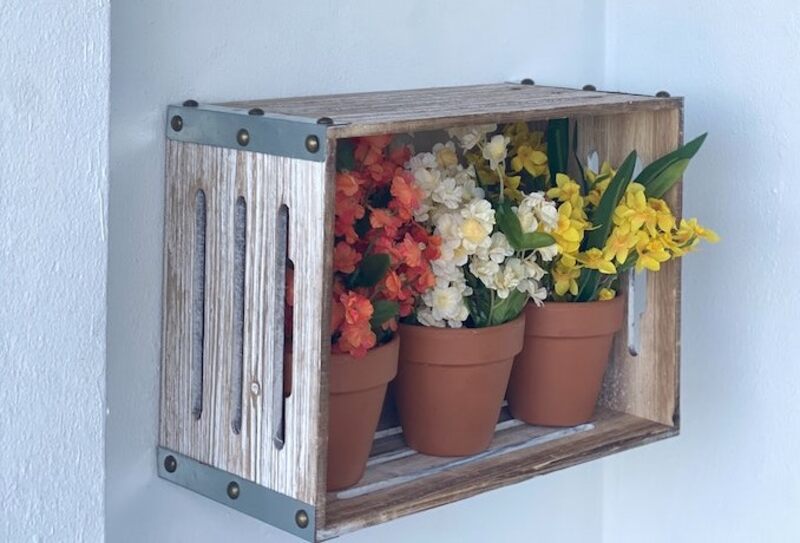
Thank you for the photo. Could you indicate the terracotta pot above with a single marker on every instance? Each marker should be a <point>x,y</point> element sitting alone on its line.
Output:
<point>450,385</point>
<point>357,388</point>
<point>557,377</point>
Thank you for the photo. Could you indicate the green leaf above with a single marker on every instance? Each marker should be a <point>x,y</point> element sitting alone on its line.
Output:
<point>659,176</point>
<point>370,270</point>
<point>587,285</point>
<point>382,311</point>
<point>508,309</point>
<point>603,213</point>
<point>581,171</point>
<point>479,302</point>
<point>557,146</point>
<point>508,223</point>
<point>345,158</point>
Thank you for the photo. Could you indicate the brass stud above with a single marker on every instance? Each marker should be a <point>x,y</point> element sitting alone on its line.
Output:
<point>243,137</point>
<point>662,94</point>
<point>325,120</point>
<point>312,143</point>
<point>170,464</point>
<point>589,87</point>
<point>527,81</point>
<point>233,490</point>
<point>257,111</point>
<point>301,518</point>
<point>176,123</point>
<point>190,103</point>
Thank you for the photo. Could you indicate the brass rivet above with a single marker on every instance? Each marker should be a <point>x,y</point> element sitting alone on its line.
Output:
<point>662,94</point>
<point>170,464</point>
<point>301,518</point>
<point>176,123</point>
<point>233,490</point>
<point>589,87</point>
<point>324,120</point>
<point>257,111</point>
<point>243,137</point>
<point>527,81</point>
<point>190,103</point>
<point>312,143</point>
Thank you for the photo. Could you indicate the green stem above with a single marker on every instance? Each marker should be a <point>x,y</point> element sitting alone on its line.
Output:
<point>491,308</point>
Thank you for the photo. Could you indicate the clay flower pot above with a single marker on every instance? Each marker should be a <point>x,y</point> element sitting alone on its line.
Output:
<point>450,385</point>
<point>557,377</point>
<point>357,388</point>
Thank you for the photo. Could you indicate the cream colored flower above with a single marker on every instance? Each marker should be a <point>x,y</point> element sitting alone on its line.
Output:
<point>495,150</point>
<point>445,154</point>
<point>485,270</point>
<point>469,136</point>
<point>499,249</point>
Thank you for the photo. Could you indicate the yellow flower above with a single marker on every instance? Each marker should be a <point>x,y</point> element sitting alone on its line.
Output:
<point>664,217</point>
<point>700,231</point>
<point>597,191</point>
<point>566,190</point>
<point>635,212</point>
<point>605,173</point>
<point>593,259</point>
<point>652,253</point>
<point>511,183</point>
<point>569,231</point>
<point>533,161</point>
<point>446,157</point>
<point>565,276</point>
<point>606,294</point>
<point>619,244</point>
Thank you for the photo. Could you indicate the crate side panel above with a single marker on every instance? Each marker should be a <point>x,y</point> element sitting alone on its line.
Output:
<point>645,385</point>
<point>265,182</point>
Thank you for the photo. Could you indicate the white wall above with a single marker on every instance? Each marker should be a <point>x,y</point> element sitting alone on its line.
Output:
<point>165,52</point>
<point>733,474</point>
<point>54,69</point>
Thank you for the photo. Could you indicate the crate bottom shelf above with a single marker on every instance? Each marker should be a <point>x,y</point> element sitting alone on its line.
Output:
<point>400,481</point>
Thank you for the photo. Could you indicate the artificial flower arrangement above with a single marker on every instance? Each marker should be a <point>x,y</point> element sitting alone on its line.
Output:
<point>381,264</point>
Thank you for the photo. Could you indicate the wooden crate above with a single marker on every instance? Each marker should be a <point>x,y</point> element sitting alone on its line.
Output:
<point>249,184</point>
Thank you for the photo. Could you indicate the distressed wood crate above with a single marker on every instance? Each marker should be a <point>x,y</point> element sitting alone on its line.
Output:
<point>250,184</point>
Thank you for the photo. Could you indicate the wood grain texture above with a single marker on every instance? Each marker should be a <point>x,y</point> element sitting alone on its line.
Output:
<point>265,182</point>
<point>646,385</point>
<point>612,432</point>
<point>393,112</point>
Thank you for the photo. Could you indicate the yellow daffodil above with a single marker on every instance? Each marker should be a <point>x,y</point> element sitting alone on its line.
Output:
<point>652,253</point>
<point>569,231</point>
<point>635,212</point>
<point>511,184</point>
<point>700,231</point>
<point>619,244</point>
<point>605,172</point>
<point>593,259</point>
<point>565,276</point>
<point>664,217</point>
<point>566,190</point>
<point>597,191</point>
<point>606,294</point>
<point>533,161</point>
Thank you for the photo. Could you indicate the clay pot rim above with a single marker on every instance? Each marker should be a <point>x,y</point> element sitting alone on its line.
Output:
<point>344,357</point>
<point>553,305</point>
<point>576,319</point>
<point>348,374</point>
<point>486,330</point>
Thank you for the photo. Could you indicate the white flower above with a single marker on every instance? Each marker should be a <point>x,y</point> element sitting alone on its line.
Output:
<point>548,253</point>
<point>469,136</point>
<point>534,289</point>
<point>426,318</point>
<point>485,270</point>
<point>446,304</point>
<point>495,150</point>
<point>509,277</point>
<point>533,270</point>
<point>534,209</point>
<point>448,193</point>
<point>498,250</point>
<point>446,156</point>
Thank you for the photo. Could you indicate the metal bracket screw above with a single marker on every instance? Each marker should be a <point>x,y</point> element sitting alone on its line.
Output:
<point>170,464</point>
<point>589,87</point>
<point>662,94</point>
<point>233,490</point>
<point>176,123</point>
<point>301,518</point>
<point>243,137</point>
<point>325,120</point>
<point>190,103</point>
<point>527,81</point>
<point>312,144</point>
<point>256,111</point>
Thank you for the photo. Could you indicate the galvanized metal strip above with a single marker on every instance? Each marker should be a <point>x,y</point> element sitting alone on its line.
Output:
<point>637,305</point>
<point>266,505</point>
<point>234,128</point>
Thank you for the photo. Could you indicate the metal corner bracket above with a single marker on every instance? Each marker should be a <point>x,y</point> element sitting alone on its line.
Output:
<point>274,508</point>
<point>238,128</point>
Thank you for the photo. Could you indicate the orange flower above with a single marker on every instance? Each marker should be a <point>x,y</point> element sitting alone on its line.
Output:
<point>357,339</point>
<point>407,195</point>
<point>348,211</point>
<point>357,308</point>
<point>409,251</point>
<point>345,258</point>
<point>383,218</point>
<point>347,184</point>
<point>393,286</point>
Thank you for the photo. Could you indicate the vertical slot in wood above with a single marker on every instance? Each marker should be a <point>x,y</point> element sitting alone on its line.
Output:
<point>239,262</point>
<point>198,302</point>
<point>278,398</point>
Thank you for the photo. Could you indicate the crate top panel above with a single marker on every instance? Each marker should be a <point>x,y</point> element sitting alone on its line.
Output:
<point>386,112</point>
